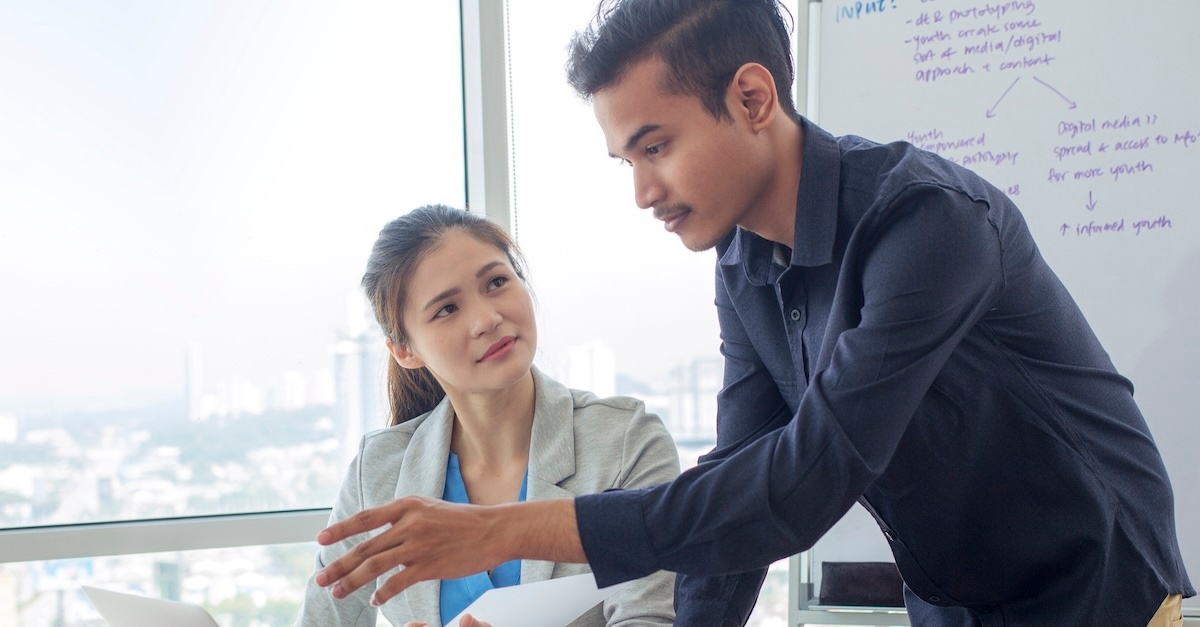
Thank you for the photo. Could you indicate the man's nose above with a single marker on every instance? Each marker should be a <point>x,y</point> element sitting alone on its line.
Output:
<point>647,188</point>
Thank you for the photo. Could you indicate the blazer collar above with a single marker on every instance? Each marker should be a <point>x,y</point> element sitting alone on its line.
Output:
<point>551,455</point>
<point>423,473</point>
<point>551,461</point>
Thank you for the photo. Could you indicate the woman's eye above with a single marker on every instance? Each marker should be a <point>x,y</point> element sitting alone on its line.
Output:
<point>497,282</point>
<point>446,310</point>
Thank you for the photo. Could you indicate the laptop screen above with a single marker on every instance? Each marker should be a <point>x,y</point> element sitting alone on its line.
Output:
<point>120,609</point>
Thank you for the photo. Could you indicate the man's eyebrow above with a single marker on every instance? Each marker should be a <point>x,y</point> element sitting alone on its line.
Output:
<point>637,137</point>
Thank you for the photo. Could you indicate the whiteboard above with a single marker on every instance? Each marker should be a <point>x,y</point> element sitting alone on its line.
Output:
<point>1088,115</point>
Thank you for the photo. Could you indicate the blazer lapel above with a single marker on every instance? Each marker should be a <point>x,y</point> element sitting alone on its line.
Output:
<point>551,461</point>
<point>423,473</point>
<point>551,455</point>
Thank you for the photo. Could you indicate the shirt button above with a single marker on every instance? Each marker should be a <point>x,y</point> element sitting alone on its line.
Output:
<point>795,314</point>
<point>935,598</point>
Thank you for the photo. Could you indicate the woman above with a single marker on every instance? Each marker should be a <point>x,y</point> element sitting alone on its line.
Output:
<point>473,421</point>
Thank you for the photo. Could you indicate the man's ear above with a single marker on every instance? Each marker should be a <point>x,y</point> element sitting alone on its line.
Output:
<point>404,356</point>
<point>752,95</point>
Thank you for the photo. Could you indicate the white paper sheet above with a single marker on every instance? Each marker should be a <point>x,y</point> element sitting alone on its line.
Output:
<point>550,603</point>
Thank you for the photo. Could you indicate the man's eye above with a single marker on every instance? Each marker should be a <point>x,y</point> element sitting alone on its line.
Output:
<point>654,150</point>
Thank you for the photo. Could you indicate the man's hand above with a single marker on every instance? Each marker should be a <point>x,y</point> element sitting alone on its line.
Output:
<point>433,539</point>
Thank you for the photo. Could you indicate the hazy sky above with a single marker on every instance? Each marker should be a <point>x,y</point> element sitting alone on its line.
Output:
<point>215,173</point>
<point>212,173</point>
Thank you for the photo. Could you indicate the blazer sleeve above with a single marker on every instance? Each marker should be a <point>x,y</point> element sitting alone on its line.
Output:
<point>320,609</point>
<point>648,457</point>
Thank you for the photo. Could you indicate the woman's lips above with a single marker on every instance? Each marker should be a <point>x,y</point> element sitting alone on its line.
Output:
<point>499,349</point>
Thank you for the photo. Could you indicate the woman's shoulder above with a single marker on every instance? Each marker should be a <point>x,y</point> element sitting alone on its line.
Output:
<point>627,406</point>
<point>390,439</point>
<point>621,444</point>
<point>615,417</point>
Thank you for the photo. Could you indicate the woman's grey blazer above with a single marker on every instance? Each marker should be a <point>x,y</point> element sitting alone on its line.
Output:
<point>580,444</point>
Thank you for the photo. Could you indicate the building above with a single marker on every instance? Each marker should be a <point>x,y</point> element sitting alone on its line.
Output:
<point>360,361</point>
<point>591,366</point>
<point>692,389</point>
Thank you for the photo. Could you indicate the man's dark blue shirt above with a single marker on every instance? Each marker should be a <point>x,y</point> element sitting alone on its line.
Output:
<point>912,351</point>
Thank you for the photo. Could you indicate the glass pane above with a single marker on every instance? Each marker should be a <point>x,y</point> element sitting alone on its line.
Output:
<point>623,307</point>
<point>190,192</point>
<point>258,586</point>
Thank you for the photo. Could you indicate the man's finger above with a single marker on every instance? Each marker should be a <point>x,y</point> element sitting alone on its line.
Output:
<point>361,522</point>
<point>344,566</point>
<point>353,558</point>
<point>396,584</point>
<point>371,566</point>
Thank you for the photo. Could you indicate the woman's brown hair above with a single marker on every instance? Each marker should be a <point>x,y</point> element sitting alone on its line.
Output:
<point>401,245</point>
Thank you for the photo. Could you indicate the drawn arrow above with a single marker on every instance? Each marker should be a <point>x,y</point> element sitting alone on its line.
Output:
<point>991,113</point>
<point>1091,204</point>
<point>1047,85</point>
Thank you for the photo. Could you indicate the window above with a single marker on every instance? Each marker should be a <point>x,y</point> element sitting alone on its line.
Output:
<point>191,194</point>
<point>257,586</point>
<point>190,191</point>
<point>250,586</point>
<point>623,307</point>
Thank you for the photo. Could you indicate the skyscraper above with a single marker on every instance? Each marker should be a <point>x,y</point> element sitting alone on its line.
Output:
<point>591,366</point>
<point>194,382</point>
<point>693,391</point>
<point>360,360</point>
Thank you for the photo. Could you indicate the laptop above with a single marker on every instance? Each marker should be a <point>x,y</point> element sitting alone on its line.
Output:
<point>120,609</point>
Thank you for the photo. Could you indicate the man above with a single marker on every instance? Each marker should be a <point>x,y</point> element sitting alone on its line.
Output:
<point>891,336</point>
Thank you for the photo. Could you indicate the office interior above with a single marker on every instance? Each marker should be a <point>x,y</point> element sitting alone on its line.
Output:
<point>188,363</point>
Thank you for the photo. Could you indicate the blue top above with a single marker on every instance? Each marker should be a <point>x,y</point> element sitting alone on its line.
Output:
<point>915,353</point>
<point>457,594</point>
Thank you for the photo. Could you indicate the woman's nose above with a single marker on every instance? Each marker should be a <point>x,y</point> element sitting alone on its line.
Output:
<point>487,320</point>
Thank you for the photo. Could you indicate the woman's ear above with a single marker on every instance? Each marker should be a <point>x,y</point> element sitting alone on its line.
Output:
<point>404,355</point>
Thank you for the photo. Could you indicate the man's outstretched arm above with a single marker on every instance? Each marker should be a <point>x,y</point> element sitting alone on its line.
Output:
<point>433,539</point>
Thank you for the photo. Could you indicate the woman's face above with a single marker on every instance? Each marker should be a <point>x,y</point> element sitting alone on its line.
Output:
<point>468,317</point>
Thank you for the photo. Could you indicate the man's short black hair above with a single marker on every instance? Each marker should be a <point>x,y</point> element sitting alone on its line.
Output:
<point>703,43</point>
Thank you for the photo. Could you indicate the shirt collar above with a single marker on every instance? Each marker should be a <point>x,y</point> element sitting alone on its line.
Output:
<point>816,213</point>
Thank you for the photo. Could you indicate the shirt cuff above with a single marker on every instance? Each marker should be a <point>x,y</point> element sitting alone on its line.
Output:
<point>613,532</point>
